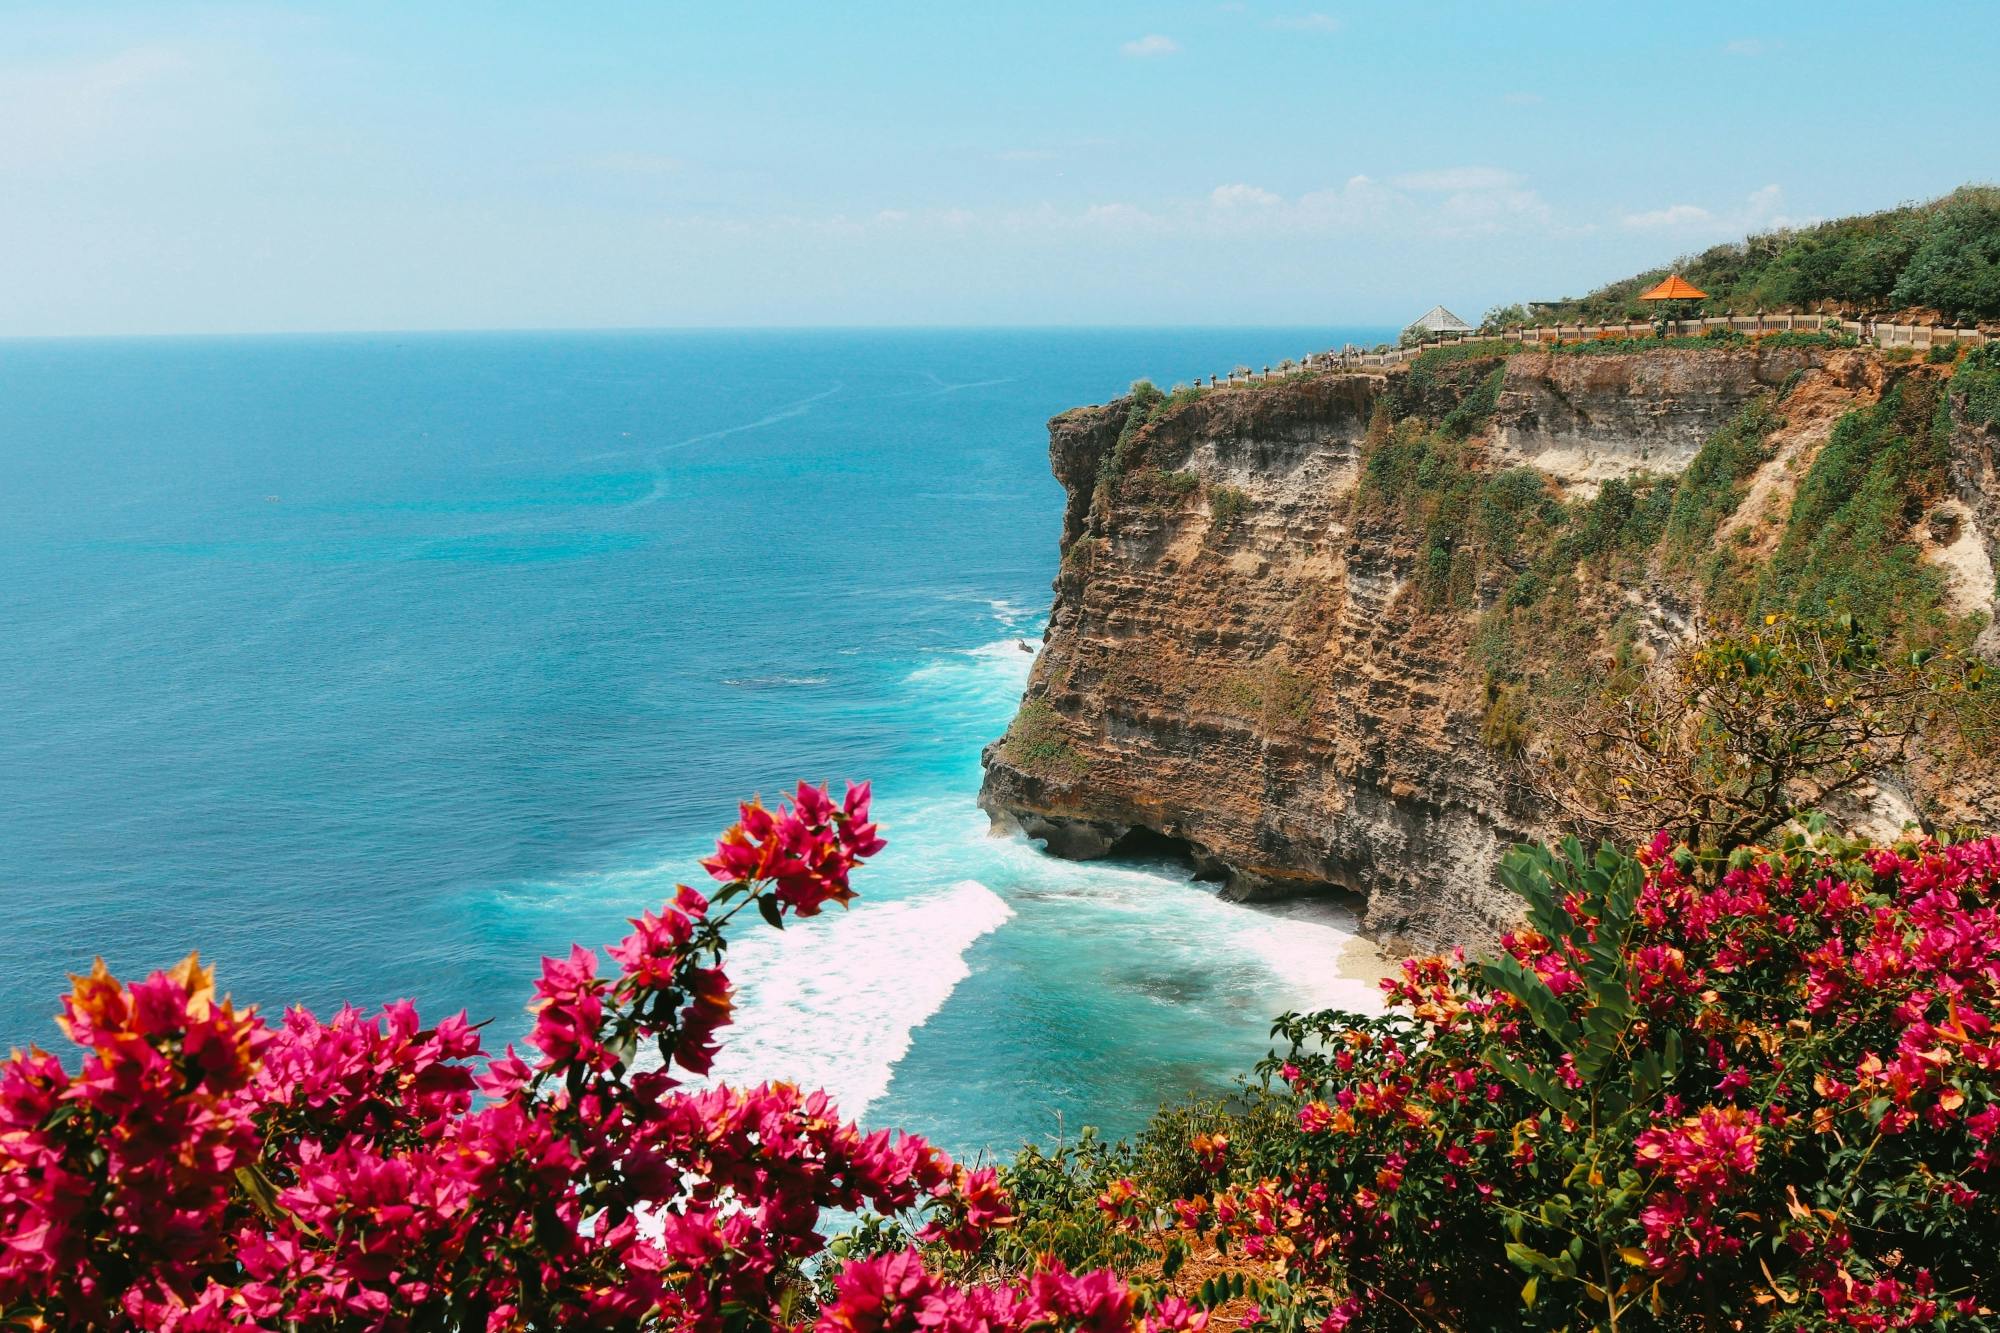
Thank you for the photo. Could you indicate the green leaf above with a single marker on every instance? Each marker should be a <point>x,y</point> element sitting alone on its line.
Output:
<point>1528,1290</point>
<point>1539,1086</point>
<point>767,907</point>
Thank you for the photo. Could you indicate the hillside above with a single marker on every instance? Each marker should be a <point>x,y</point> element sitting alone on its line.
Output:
<point>1940,257</point>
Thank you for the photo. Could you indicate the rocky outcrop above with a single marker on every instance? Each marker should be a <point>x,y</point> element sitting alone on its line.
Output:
<point>1584,419</point>
<point>1235,665</point>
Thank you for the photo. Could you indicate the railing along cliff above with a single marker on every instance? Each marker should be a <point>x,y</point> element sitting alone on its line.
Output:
<point>1870,332</point>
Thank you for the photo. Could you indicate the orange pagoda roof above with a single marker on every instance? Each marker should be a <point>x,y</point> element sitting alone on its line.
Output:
<point>1675,288</point>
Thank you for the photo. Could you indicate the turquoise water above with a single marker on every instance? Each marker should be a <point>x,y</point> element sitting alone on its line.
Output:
<point>380,666</point>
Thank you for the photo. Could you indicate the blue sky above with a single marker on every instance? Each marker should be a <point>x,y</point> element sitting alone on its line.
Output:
<point>213,168</point>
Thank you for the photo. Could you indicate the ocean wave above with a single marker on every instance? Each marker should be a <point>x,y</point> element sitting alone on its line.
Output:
<point>999,664</point>
<point>774,682</point>
<point>834,1004</point>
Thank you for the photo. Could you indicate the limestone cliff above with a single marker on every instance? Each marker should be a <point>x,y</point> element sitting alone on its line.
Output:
<point>1239,661</point>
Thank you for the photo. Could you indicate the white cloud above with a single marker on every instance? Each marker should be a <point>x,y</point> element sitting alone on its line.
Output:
<point>1306,23</point>
<point>1152,44</point>
<point>1673,216</point>
<point>1358,207</point>
<point>1765,206</point>
<point>1118,217</point>
<point>1243,196</point>
<point>1746,46</point>
<point>1763,209</point>
<point>1491,211</point>
<point>1452,179</point>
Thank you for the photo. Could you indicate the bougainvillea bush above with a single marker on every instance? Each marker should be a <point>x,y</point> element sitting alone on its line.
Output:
<point>1765,1094</point>
<point>1684,1096</point>
<point>202,1168</point>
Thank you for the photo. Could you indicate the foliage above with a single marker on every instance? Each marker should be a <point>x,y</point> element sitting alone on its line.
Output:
<point>1845,546</point>
<point>1427,365</point>
<point>1690,1094</point>
<point>1977,385</point>
<point>1944,255</point>
<point>1226,504</point>
<point>1038,742</point>
<point>1474,409</point>
<point>1829,338</point>
<point>1714,481</point>
<point>1955,266</point>
<point>1501,317</point>
<point>1151,485</point>
<point>1144,405</point>
<point>1505,728</point>
<point>1075,1203</point>
<point>203,1170</point>
<point>1846,549</point>
<point>1739,733</point>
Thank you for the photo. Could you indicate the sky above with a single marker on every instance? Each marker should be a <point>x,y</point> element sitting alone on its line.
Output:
<point>177,168</point>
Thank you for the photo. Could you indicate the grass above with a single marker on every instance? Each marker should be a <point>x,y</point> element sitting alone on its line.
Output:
<point>1845,546</point>
<point>1226,505</point>
<point>1037,742</point>
<point>1271,693</point>
<point>1713,485</point>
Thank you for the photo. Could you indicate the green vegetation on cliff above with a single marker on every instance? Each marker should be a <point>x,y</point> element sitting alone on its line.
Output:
<point>1942,255</point>
<point>1569,600</point>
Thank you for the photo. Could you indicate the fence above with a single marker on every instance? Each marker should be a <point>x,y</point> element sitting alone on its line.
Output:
<point>1871,332</point>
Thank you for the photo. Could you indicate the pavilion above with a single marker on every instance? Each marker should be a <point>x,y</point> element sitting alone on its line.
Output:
<point>1440,320</point>
<point>1673,288</point>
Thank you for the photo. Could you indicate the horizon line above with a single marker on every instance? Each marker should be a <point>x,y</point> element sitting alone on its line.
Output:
<point>528,329</point>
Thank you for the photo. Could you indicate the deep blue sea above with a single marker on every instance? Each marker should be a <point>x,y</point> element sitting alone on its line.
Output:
<point>378,666</point>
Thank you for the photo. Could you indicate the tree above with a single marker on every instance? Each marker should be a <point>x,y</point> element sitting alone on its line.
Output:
<point>1728,739</point>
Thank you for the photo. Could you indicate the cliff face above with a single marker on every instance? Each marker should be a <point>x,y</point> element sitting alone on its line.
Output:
<point>1590,418</point>
<point>1237,663</point>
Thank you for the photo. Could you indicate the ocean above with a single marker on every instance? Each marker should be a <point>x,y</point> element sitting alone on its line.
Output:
<point>379,666</point>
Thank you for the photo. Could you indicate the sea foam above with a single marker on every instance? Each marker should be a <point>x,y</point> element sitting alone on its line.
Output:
<point>832,1004</point>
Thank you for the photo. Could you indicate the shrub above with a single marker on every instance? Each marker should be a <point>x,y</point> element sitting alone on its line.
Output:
<point>1802,338</point>
<point>1976,385</point>
<point>1846,544</point>
<point>1713,484</point>
<point>1271,693</point>
<point>1226,504</point>
<point>1154,486</point>
<point>1943,254</point>
<point>1144,405</point>
<point>1740,732</point>
<point>204,1170</point>
<point>1474,409</point>
<point>1505,729</point>
<point>1754,1093</point>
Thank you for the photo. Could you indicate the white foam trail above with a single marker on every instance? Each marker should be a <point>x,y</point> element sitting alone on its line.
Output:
<point>832,1003</point>
<point>786,413</point>
<point>783,414</point>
